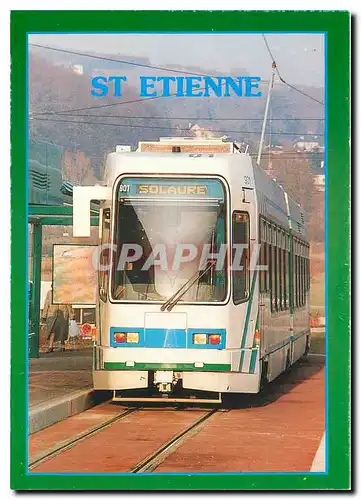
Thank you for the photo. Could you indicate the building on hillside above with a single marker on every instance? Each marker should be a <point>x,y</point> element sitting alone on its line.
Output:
<point>301,144</point>
<point>319,183</point>
<point>275,149</point>
<point>318,172</point>
<point>78,69</point>
<point>201,132</point>
<point>107,72</point>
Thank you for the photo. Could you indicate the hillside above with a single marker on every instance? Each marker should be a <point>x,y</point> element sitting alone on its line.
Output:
<point>55,87</point>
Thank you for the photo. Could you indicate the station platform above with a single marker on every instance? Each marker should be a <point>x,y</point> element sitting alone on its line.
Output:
<point>56,374</point>
<point>60,385</point>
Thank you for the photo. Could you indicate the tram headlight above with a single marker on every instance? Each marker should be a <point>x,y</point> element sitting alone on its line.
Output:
<point>133,337</point>
<point>120,337</point>
<point>126,337</point>
<point>200,338</point>
<point>215,339</point>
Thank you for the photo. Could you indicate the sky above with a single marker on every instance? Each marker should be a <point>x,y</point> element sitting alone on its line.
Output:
<point>300,57</point>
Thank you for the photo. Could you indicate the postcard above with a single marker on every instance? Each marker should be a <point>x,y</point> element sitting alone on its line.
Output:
<point>180,250</point>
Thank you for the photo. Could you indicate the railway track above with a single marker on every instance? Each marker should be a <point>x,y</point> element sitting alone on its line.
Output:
<point>189,440</point>
<point>80,437</point>
<point>151,462</point>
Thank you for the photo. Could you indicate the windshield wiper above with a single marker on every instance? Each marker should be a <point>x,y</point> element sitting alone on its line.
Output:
<point>175,298</point>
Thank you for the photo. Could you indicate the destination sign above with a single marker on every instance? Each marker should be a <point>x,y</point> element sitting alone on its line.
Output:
<point>165,187</point>
<point>172,189</point>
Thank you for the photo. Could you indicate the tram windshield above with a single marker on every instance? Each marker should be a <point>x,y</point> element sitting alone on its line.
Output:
<point>165,232</point>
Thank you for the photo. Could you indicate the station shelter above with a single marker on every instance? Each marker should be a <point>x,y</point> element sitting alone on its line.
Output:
<point>49,204</point>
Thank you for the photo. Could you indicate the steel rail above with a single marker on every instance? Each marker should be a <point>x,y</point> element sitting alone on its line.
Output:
<point>152,461</point>
<point>80,437</point>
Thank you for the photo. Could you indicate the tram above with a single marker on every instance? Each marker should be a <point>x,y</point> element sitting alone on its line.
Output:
<point>203,271</point>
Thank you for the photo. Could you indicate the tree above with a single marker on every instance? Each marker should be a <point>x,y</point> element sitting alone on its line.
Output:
<point>77,168</point>
<point>295,176</point>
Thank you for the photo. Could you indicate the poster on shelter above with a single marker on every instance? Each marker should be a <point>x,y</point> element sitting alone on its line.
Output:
<point>74,276</point>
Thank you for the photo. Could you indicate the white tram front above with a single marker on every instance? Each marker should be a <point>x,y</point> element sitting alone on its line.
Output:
<point>183,304</point>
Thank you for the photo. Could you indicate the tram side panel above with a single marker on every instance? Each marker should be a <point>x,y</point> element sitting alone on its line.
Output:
<point>301,319</point>
<point>300,281</point>
<point>274,303</point>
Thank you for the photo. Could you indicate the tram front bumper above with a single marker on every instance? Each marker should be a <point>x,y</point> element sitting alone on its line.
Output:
<point>204,381</point>
<point>144,359</point>
<point>119,379</point>
<point>200,369</point>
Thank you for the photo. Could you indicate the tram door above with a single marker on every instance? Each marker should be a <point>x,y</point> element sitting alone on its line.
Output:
<point>103,275</point>
<point>244,273</point>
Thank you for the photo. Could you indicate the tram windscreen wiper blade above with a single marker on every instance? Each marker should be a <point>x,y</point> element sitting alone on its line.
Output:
<point>175,298</point>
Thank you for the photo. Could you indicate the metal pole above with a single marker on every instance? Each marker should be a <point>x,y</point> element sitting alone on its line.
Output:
<point>270,87</point>
<point>35,291</point>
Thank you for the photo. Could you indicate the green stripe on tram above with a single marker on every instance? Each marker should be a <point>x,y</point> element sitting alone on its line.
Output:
<point>254,355</point>
<point>249,308</point>
<point>110,365</point>
<point>252,365</point>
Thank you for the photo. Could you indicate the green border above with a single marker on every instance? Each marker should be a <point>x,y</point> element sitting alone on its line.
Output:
<point>337,26</point>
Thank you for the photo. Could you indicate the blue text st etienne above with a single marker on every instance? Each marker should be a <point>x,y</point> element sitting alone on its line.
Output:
<point>180,86</point>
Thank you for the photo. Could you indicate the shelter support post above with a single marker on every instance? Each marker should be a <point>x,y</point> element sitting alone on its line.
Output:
<point>35,290</point>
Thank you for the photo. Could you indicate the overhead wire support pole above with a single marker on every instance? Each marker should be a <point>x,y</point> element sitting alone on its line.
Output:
<point>283,80</point>
<point>270,87</point>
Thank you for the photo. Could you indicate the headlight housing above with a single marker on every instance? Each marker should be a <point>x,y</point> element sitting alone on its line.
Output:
<point>126,337</point>
<point>199,338</point>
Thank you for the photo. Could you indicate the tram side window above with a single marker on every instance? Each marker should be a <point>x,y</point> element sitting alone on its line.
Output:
<point>266,272</point>
<point>274,278</point>
<point>295,294</point>
<point>278,270</point>
<point>240,270</point>
<point>260,262</point>
<point>104,258</point>
<point>281,279</point>
<point>285,279</point>
<point>263,260</point>
<point>308,273</point>
<point>277,282</point>
<point>277,278</point>
<point>301,282</point>
<point>298,282</point>
<point>270,271</point>
<point>304,279</point>
<point>301,274</point>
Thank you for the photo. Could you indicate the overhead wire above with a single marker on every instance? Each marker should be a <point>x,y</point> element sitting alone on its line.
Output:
<point>121,103</point>
<point>60,120</point>
<point>199,118</point>
<point>130,63</point>
<point>283,80</point>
